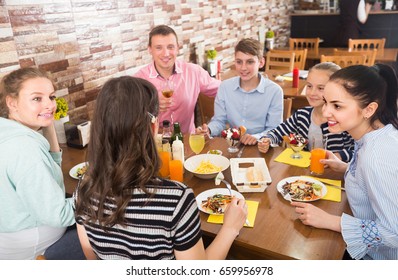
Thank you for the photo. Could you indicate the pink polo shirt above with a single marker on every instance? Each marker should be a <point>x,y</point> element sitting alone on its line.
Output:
<point>189,80</point>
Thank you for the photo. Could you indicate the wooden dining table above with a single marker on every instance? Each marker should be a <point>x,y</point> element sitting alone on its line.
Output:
<point>277,232</point>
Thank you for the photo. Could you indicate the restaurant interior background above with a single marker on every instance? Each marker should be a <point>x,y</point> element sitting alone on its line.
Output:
<point>84,43</point>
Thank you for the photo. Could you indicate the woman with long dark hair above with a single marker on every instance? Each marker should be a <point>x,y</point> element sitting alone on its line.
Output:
<point>124,211</point>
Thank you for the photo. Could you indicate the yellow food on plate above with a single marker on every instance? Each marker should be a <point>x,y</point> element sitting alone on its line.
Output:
<point>242,130</point>
<point>206,167</point>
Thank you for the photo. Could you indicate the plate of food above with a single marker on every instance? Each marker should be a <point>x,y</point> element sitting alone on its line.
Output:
<point>206,166</point>
<point>78,170</point>
<point>214,201</point>
<point>302,188</point>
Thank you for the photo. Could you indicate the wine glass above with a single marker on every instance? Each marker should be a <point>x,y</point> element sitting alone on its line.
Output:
<point>167,92</point>
<point>296,149</point>
<point>196,142</point>
<point>296,144</point>
<point>232,145</point>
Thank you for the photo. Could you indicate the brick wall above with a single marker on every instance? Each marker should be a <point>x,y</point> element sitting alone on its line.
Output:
<point>84,43</point>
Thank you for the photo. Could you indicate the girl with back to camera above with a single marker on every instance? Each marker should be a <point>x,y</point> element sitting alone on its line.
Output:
<point>309,121</point>
<point>35,217</point>
<point>124,211</point>
<point>363,101</point>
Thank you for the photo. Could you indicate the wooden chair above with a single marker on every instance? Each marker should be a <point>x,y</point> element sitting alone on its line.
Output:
<point>370,55</point>
<point>280,61</point>
<point>287,108</point>
<point>344,60</point>
<point>206,105</point>
<point>364,44</point>
<point>300,57</point>
<point>304,43</point>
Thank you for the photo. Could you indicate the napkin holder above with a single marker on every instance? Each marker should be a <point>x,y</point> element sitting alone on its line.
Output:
<point>77,136</point>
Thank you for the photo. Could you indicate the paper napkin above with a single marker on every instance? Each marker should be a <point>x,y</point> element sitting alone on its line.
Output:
<point>284,157</point>
<point>333,194</point>
<point>252,207</point>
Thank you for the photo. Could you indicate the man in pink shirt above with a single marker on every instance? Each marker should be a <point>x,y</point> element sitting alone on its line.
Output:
<point>187,79</point>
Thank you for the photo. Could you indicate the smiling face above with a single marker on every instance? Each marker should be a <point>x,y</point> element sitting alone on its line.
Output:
<point>343,112</point>
<point>164,50</point>
<point>35,104</point>
<point>316,82</point>
<point>247,66</point>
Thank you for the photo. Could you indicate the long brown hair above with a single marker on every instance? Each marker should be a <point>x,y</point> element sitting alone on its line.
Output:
<point>122,154</point>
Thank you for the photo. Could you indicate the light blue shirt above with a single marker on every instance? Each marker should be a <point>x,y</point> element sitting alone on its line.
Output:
<point>371,182</point>
<point>259,110</point>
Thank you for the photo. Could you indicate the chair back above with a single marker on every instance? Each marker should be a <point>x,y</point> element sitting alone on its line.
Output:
<point>206,105</point>
<point>364,44</point>
<point>287,108</point>
<point>304,43</point>
<point>344,60</point>
<point>369,53</point>
<point>300,57</point>
<point>280,61</point>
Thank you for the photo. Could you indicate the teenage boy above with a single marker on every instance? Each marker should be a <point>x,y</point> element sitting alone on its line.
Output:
<point>250,99</point>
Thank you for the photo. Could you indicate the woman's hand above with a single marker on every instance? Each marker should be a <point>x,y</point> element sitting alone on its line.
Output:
<point>51,136</point>
<point>235,215</point>
<point>263,145</point>
<point>311,215</point>
<point>334,162</point>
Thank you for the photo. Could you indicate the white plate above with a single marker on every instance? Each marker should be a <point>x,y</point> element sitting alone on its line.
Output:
<point>73,170</point>
<point>279,186</point>
<point>209,193</point>
<point>193,162</point>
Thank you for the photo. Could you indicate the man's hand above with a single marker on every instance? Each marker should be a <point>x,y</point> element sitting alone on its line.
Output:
<point>248,139</point>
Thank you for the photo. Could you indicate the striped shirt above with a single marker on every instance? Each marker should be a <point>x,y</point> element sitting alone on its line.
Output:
<point>155,226</point>
<point>372,192</point>
<point>299,123</point>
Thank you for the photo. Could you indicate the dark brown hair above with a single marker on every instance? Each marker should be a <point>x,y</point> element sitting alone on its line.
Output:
<point>163,30</point>
<point>377,83</point>
<point>11,85</point>
<point>122,154</point>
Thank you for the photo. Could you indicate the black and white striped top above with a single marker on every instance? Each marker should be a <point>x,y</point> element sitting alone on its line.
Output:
<point>156,226</point>
<point>299,123</point>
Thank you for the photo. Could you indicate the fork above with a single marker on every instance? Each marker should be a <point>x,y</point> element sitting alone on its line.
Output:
<point>286,195</point>
<point>219,179</point>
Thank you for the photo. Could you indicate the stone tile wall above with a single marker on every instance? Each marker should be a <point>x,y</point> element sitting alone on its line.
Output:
<point>83,43</point>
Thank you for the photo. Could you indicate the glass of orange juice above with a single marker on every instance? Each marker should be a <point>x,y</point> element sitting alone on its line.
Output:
<point>316,167</point>
<point>165,161</point>
<point>176,170</point>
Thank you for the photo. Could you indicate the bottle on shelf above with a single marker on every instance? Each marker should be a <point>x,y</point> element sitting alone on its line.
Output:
<point>177,133</point>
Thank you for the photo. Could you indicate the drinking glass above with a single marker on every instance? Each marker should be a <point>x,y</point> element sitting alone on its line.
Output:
<point>232,145</point>
<point>167,92</point>
<point>196,142</point>
<point>318,152</point>
<point>296,146</point>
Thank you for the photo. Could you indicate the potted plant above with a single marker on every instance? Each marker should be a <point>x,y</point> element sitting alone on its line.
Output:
<point>269,39</point>
<point>60,118</point>
<point>211,56</point>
